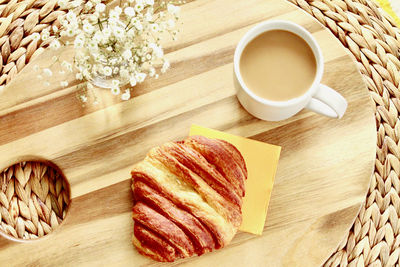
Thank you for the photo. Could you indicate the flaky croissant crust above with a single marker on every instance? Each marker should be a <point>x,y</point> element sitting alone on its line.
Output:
<point>187,198</point>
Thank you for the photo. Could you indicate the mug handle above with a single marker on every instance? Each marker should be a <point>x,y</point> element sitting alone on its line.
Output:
<point>328,102</point>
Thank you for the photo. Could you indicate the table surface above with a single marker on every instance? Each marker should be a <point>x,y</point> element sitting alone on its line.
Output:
<point>322,177</point>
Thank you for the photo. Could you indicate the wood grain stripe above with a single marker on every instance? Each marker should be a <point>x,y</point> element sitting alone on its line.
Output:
<point>72,109</point>
<point>256,129</point>
<point>191,30</point>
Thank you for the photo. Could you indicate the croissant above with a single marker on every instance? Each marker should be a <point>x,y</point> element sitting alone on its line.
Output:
<point>187,198</point>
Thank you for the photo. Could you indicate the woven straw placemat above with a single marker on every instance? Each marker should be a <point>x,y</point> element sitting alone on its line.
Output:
<point>372,38</point>
<point>18,21</point>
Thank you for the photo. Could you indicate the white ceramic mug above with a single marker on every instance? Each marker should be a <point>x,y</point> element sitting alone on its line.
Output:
<point>319,98</point>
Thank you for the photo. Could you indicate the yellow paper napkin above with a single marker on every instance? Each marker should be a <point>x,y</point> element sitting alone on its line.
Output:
<point>261,162</point>
<point>390,7</point>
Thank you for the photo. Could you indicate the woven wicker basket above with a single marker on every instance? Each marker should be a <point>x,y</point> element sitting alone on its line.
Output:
<point>372,38</point>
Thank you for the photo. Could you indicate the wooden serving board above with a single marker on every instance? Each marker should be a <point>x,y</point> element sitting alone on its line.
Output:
<point>322,177</point>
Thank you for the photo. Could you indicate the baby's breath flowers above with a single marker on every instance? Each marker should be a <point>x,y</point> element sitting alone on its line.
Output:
<point>117,46</point>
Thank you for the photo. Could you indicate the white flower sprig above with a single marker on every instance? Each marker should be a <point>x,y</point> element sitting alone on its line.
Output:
<point>121,45</point>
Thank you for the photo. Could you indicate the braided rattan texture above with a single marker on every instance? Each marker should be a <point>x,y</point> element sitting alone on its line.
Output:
<point>18,21</point>
<point>33,200</point>
<point>369,34</point>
